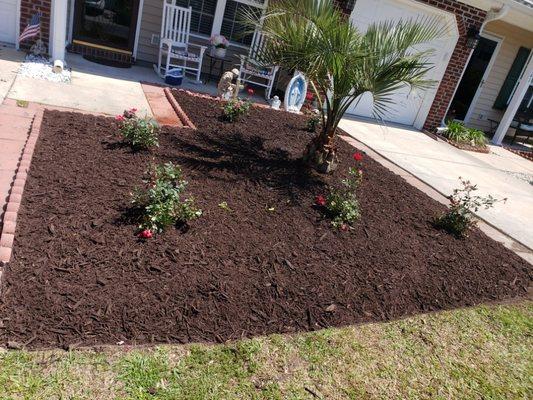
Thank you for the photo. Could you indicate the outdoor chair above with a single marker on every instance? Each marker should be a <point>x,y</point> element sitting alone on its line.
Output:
<point>251,69</point>
<point>174,42</point>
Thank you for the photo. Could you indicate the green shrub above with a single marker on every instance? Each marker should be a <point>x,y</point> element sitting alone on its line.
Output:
<point>161,203</point>
<point>476,137</point>
<point>341,205</point>
<point>140,133</point>
<point>312,123</point>
<point>235,109</point>
<point>459,133</point>
<point>459,218</point>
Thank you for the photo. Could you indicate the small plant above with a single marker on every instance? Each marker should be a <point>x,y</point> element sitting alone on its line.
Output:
<point>312,123</point>
<point>225,207</point>
<point>161,204</point>
<point>459,218</point>
<point>341,205</point>
<point>459,133</point>
<point>235,109</point>
<point>140,133</point>
<point>476,137</point>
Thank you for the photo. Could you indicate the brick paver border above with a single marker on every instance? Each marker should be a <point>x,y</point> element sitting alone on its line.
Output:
<point>7,235</point>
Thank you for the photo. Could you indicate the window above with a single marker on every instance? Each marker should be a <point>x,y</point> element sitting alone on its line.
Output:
<point>203,14</point>
<point>232,26</point>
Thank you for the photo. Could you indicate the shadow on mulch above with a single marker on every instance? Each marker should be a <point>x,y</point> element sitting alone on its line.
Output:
<point>266,263</point>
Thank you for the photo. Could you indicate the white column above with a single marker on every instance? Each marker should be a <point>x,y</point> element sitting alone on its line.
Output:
<point>512,108</point>
<point>58,29</point>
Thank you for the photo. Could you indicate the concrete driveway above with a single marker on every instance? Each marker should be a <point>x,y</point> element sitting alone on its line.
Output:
<point>438,164</point>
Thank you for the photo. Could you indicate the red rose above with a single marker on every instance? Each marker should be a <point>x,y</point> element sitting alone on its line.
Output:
<point>250,91</point>
<point>357,156</point>
<point>133,110</point>
<point>120,118</point>
<point>146,234</point>
<point>320,200</point>
<point>309,96</point>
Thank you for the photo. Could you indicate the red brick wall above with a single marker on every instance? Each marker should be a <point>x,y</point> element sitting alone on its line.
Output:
<point>466,16</point>
<point>27,9</point>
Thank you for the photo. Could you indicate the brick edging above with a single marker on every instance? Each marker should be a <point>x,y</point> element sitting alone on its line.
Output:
<point>9,225</point>
<point>185,120</point>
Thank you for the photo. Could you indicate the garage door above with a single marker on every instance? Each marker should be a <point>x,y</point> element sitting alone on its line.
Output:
<point>8,17</point>
<point>409,108</point>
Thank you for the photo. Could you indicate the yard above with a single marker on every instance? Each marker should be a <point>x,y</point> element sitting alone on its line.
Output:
<point>482,352</point>
<point>261,259</point>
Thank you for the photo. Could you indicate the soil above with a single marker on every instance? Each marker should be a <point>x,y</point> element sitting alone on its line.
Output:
<point>80,276</point>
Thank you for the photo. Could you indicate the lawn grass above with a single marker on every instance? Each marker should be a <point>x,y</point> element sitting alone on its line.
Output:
<point>483,352</point>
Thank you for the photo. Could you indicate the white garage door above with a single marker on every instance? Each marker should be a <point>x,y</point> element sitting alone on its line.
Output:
<point>410,108</point>
<point>8,17</point>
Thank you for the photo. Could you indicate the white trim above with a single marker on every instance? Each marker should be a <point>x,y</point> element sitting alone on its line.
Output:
<point>218,17</point>
<point>17,27</point>
<point>473,103</point>
<point>138,28</point>
<point>512,108</point>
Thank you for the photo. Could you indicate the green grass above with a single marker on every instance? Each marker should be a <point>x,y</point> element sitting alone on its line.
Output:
<point>478,353</point>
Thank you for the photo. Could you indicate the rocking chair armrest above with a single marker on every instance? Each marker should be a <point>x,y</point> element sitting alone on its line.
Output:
<point>166,42</point>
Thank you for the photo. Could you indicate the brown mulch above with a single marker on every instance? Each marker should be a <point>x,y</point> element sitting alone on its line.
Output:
<point>79,275</point>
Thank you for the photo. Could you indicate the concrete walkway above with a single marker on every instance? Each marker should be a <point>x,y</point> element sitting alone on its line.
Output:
<point>438,164</point>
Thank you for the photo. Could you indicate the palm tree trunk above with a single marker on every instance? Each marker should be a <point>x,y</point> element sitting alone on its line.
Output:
<point>321,153</point>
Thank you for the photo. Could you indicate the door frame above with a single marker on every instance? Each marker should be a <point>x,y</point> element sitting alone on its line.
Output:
<point>498,39</point>
<point>77,6</point>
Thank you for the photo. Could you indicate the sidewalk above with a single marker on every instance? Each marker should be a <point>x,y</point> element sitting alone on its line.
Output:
<point>438,164</point>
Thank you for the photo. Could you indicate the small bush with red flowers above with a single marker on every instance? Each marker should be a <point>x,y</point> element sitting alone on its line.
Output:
<point>459,218</point>
<point>161,204</point>
<point>235,109</point>
<point>341,205</point>
<point>140,133</point>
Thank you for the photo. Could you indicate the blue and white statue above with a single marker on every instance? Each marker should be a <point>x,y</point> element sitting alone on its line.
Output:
<point>295,93</point>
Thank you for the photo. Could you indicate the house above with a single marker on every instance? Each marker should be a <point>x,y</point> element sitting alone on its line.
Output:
<point>482,59</point>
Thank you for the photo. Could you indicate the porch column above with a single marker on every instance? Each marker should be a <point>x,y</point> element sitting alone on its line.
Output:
<point>512,108</point>
<point>58,29</point>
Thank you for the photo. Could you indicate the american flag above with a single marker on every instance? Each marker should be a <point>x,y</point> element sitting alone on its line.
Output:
<point>33,29</point>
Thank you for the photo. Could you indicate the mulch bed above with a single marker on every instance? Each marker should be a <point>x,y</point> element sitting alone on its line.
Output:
<point>79,275</point>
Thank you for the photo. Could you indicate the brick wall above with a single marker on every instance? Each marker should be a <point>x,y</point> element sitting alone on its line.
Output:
<point>465,16</point>
<point>27,9</point>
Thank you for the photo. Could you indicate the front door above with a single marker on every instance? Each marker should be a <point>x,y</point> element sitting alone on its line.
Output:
<point>472,78</point>
<point>109,23</point>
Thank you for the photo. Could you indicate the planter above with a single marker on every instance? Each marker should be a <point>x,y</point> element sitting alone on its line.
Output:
<point>220,52</point>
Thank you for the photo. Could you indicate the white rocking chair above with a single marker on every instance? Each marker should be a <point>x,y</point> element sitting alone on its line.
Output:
<point>174,42</point>
<point>252,72</point>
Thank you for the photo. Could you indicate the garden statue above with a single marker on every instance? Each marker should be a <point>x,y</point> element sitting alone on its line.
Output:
<point>38,48</point>
<point>226,88</point>
<point>276,103</point>
<point>295,93</point>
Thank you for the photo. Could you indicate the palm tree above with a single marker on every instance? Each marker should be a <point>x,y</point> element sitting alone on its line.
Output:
<point>340,63</point>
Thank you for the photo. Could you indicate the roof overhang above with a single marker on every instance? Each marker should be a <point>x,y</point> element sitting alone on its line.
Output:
<point>520,12</point>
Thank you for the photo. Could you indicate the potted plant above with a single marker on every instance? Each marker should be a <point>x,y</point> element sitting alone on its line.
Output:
<point>220,44</point>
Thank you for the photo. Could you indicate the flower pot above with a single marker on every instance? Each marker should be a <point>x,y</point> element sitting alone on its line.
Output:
<point>220,52</point>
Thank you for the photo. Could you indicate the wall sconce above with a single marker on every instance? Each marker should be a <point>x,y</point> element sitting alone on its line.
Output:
<point>472,37</point>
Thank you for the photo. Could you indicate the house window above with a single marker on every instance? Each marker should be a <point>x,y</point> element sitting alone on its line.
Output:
<point>203,14</point>
<point>233,27</point>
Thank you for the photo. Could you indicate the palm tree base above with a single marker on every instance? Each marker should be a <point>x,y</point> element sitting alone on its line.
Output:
<point>321,156</point>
